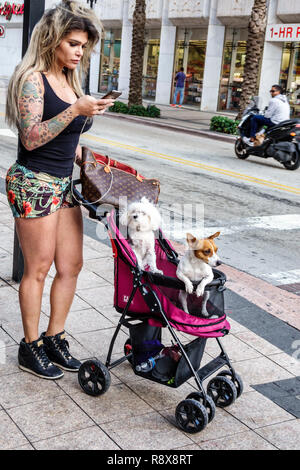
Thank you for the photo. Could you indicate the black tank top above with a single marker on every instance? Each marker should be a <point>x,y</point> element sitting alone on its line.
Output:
<point>57,156</point>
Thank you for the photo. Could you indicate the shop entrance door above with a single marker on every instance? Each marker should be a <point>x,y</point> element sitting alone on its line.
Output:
<point>150,68</point>
<point>110,61</point>
<point>190,54</point>
<point>234,58</point>
<point>290,75</point>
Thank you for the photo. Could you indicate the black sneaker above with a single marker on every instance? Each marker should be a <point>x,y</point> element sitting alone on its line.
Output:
<point>57,349</point>
<point>33,359</point>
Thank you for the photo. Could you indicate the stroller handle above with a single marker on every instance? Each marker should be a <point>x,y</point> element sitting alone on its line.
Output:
<point>92,208</point>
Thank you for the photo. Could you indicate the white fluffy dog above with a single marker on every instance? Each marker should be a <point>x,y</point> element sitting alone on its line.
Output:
<point>142,219</point>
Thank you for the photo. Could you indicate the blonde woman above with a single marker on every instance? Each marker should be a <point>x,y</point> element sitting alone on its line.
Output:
<point>46,104</point>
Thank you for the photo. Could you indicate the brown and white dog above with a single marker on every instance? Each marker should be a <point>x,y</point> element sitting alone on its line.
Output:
<point>196,265</point>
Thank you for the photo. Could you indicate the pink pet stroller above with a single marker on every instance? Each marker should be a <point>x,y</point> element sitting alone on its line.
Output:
<point>148,302</point>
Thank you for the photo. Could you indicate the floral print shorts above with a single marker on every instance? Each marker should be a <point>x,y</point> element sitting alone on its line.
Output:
<point>35,194</point>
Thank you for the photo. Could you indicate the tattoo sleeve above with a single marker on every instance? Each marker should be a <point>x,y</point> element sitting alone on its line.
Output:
<point>33,131</point>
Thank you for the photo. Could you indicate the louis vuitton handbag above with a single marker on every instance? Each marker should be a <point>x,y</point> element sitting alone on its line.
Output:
<point>105,181</point>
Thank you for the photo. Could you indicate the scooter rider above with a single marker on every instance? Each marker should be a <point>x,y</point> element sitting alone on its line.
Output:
<point>278,111</point>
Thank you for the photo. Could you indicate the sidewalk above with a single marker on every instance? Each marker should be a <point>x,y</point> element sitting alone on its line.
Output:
<point>135,414</point>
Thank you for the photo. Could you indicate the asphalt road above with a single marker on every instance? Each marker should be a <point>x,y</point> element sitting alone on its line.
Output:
<point>205,188</point>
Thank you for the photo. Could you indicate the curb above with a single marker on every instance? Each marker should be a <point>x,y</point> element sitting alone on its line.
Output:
<point>186,130</point>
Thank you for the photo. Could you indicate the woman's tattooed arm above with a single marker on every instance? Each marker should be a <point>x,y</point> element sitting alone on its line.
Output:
<point>34,132</point>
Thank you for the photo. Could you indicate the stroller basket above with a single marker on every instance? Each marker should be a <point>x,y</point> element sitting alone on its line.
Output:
<point>166,370</point>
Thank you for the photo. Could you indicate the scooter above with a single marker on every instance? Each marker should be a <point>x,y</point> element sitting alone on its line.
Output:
<point>281,142</point>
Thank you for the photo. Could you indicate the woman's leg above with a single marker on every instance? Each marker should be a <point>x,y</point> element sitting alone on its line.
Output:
<point>37,241</point>
<point>68,262</point>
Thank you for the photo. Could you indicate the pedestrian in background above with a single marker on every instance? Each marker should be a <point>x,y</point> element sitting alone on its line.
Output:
<point>47,105</point>
<point>180,79</point>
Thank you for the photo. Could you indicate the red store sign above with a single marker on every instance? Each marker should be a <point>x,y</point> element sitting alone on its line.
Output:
<point>8,9</point>
<point>283,32</point>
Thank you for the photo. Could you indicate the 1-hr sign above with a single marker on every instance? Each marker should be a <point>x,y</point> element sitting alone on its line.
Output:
<point>283,32</point>
<point>2,31</point>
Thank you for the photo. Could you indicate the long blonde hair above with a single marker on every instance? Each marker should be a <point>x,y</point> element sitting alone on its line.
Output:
<point>55,24</point>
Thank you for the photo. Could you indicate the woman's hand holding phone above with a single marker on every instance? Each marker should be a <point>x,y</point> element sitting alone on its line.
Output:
<point>104,104</point>
<point>89,106</point>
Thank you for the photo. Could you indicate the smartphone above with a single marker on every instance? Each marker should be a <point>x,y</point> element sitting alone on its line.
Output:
<point>114,94</point>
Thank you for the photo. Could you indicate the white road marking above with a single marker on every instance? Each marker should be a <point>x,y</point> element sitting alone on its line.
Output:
<point>180,226</point>
<point>7,133</point>
<point>268,222</point>
<point>282,277</point>
<point>2,173</point>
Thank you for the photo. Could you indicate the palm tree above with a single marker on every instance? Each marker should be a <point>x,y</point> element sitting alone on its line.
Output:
<point>137,54</point>
<point>255,44</point>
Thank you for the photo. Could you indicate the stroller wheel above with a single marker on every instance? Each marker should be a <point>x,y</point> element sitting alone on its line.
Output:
<point>94,378</point>
<point>210,404</point>
<point>237,380</point>
<point>128,350</point>
<point>222,390</point>
<point>191,416</point>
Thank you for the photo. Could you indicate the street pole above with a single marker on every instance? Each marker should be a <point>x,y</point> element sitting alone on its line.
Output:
<point>33,11</point>
<point>87,78</point>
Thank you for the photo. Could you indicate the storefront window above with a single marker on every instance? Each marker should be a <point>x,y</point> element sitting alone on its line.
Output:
<point>110,61</point>
<point>290,75</point>
<point>285,65</point>
<point>190,54</point>
<point>151,56</point>
<point>234,58</point>
<point>194,72</point>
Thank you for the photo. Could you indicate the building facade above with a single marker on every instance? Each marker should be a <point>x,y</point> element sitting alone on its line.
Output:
<point>207,38</point>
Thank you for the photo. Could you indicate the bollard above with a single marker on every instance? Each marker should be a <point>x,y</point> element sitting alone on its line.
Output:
<point>33,11</point>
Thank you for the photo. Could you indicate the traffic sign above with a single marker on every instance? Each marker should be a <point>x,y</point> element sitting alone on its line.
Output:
<point>2,31</point>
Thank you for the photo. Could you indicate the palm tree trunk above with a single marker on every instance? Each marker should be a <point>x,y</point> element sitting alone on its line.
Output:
<point>137,54</point>
<point>255,45</point>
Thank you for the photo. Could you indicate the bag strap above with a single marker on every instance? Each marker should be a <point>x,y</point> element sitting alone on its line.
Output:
<point>106,169</point>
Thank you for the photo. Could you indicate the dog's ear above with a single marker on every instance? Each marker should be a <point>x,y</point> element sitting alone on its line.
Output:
<point>190,239</point>
<point>193,242</point>
<point>215,235</point>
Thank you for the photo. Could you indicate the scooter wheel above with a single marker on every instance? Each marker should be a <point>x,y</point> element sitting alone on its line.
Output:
<point>294,163</point>
<point>240,149</point>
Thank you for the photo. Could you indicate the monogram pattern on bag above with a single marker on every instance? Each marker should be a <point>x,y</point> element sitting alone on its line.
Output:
<point>105,185</point>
